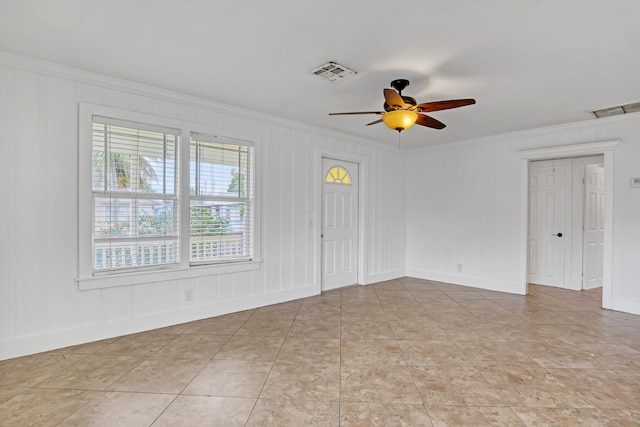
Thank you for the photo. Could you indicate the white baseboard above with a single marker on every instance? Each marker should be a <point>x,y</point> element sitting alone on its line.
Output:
<point>387,275</point>
<point>626,306</point>
<point>32,344</point>
<point>474,282</point>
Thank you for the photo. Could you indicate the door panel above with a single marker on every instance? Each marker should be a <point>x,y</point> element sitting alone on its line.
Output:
<point>547,231</point>
<point>339,223</point>
<point>593,227</point>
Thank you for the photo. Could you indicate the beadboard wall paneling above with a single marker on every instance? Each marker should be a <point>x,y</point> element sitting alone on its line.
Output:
<point>41,307</point>
<point>465,207</point>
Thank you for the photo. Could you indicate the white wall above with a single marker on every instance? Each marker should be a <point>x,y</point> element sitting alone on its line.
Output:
<point>41,307</point>
<point>463,207</point>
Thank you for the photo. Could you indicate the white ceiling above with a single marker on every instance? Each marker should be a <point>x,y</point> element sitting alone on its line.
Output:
<point>528,63</point>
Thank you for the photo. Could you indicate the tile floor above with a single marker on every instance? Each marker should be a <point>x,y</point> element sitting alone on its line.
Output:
<point>398,353</point>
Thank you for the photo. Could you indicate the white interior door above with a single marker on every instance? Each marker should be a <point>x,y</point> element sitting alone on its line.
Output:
<point>593,227</point>
<point>549,182</point>
<point>339,223</point>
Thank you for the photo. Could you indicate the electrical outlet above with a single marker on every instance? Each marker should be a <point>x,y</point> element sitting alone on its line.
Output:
<point>188,294</point>
<point>459,267</point>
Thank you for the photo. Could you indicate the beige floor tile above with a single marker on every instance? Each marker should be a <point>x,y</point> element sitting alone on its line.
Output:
<point>198,411</point>
<point>406,312</point>
<point>120,409</point>
<point>243,347</point>
<point>624,418</point>
<point>476,333</point>
<point>310,350</point>
<point>363,295</point>
<point>30,370</point>
<point>223,325</point>
<point>417,329</point>
<point>391,384</point>
<point>319,313</point>
<point>356,352</point>
<point>531,387</point>
<point>605,389</point>
<point>583,356</point>
<point>566,417</point>
<point>230,378</point>
<point>366,314</point>
<point>259,327</point>
<point>454,386</point>
<point>439,305</point>
<point>282,413</point>
<point>354,414</point>
<point>432,353</point>
<point>142,344</point>
<point>367,329</point>
<point>495,354</point>
<point>10,393</point>
<point>159,376</point>
<point>544,317</point>
<point>88,348</point>
<point>463,295</point>
<point>316,329</point>
<point>94,372</point>
<point>311,381</point>
<point>193,346</point>
<point>377,353</point>
<point>467,416</point>
<point>39,407</point>
<point>428,294</point>
<point>389,285</point>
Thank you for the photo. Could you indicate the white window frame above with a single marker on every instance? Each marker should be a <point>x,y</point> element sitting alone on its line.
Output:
<point>86,278</point>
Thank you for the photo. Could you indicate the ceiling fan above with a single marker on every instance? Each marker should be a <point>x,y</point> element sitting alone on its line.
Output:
<point>401,112</point>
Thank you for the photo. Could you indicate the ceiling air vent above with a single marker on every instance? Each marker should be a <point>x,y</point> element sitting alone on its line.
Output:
<point>634,107</point>
<point>333,72</point>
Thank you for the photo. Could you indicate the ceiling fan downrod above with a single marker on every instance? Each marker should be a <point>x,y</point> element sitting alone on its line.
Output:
<point>399,85</point>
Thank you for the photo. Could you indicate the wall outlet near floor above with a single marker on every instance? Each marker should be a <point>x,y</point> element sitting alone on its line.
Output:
<point>459,267</point>
<point>188,294</point>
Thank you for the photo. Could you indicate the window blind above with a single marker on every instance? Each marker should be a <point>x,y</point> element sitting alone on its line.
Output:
<point>135,195</point>
<point>221,199</point>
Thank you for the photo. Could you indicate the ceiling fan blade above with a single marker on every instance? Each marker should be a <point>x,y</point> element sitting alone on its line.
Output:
<point>356,112</point>
<point>429,122</point>
<point>374,122</point>
<point>444,105</point>
<point>393,98</point>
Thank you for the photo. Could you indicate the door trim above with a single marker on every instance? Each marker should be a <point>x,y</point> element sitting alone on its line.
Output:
<point>362,161</point>
<point>607,149</point>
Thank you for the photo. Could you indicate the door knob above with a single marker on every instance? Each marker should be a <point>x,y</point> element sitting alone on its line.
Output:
<point>558,235</point>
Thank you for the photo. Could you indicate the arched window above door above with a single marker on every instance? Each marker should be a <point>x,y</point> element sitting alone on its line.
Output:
<point>338,175</point>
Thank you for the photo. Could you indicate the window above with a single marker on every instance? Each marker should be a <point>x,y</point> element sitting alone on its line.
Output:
<point>338,175</point>
<point>221,199</point>
<point>135,195</point>
<point>164,199</point>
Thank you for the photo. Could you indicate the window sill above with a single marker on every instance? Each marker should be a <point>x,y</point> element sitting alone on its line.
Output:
<point>142,277</point>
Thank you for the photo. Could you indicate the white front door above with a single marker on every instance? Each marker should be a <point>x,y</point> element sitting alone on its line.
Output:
<point>547,230</point>
<point>593,227</point>
<point>339,223</point>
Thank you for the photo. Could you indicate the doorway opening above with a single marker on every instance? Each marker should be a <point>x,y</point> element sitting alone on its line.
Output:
<point>566,222</point>
<point>605,148</point>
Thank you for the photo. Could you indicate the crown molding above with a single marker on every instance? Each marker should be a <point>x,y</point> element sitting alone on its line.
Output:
<point>533,133</point>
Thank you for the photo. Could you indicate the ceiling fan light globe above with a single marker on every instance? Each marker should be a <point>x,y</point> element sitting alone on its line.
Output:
<point>400,119</point>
